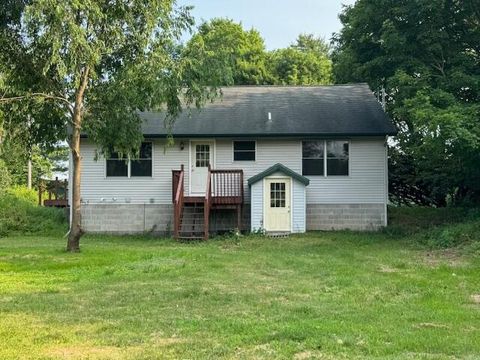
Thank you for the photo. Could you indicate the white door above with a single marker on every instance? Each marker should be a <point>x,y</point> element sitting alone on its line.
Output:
<point>202,156</point>
<point>277,204</point>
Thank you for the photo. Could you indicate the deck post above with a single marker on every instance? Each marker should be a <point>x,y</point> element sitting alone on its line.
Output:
<point>239,217</point>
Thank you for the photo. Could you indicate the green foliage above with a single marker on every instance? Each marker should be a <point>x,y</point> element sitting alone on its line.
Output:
<point>230,54</point>
<point>234,56</point>
<point>426,55</point>
<point>435,228</point>
<point>126,51</point>
<point>320,295</point>
<point>19,213</point>
<point>4,177</point>
<point>306,62</point>
<point>24,194</point>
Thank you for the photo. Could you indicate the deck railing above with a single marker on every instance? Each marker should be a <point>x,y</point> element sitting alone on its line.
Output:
<point>227,186</point>
<point>56,191</point>
<point>207,204</point>
<point>178,197</point>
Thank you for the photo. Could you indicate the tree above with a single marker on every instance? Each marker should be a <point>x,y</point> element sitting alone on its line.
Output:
<point>237,55</point>
<point>95,64</point>
<point>306,62</point>
<point>427,57</point>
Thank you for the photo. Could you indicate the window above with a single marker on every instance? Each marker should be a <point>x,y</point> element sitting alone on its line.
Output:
<point>277,195</point>
<point>122,167</point>
<point>143,165</point>
<point>313,157</point>
<point>335,163</point>
<point>244,151</point>
<point>202,155</point>
<point>117,166</point>
<point>337,158</point>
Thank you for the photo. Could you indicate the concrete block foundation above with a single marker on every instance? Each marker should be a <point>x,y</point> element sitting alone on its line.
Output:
<point>345,216</point>
<point>158,218</point>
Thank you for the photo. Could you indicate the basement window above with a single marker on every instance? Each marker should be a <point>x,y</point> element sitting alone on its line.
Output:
<point>244,150</point>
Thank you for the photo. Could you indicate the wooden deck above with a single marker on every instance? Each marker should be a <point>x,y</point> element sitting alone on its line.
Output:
<point>224,191</point>
<point>56,191</point>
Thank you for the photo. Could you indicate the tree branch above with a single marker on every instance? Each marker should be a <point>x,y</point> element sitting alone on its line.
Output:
<point>38,95</point>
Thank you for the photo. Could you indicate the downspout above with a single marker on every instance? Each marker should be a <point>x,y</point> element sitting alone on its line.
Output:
<point>386,180</point>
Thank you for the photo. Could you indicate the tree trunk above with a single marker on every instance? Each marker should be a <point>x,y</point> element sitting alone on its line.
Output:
<point>76,232</point>
<point>29,172</point>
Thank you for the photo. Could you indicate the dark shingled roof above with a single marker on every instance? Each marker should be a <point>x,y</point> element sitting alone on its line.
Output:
<point>278,168</point>
<point>242,111</point>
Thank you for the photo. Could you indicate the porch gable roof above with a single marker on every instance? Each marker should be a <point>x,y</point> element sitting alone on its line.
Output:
<point>279,168</point>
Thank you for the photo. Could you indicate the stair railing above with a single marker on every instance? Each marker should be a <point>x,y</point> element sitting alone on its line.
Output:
<point>207,204</point>
<point>178,191</point>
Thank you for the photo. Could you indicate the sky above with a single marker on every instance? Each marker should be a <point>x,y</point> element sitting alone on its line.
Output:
<point>278,21</point>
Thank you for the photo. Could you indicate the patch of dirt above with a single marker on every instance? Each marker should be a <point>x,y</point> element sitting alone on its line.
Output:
<point>387,269</point>
<point>475,298</point>
<point>163,341</point>
<point>309,355</point>
<point>432,325</point>
<point>448,257</point>
<point>80,352</point>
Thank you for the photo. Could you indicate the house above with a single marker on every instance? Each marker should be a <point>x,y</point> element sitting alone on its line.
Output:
<point>280,159</point>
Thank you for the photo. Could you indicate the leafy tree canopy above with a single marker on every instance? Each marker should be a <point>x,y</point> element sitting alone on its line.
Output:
<point>92,65</point>
<point>306,62</point>
<point>427,56</point>
<point>238,55</point>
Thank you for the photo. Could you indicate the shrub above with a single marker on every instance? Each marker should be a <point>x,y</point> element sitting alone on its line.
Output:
<point>453,235</point>
<point>19,214</point>
<point>435,228</point>
<point>4,177</point>
<point>23,193</point>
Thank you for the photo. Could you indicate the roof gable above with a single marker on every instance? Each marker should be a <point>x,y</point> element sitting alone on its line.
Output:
<point>278,168</point>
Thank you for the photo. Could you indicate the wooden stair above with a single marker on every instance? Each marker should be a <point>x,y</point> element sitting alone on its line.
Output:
<point>224,191</point>
<point>192,222</point>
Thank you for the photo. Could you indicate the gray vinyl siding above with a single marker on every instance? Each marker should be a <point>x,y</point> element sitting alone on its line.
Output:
<point>256,208</point>
<point>365,183</point>
<point>155,189</point>
<point>298,207</point>
<point>269,152</point>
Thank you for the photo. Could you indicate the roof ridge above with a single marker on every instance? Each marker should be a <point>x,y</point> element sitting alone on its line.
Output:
<point>292,86</point>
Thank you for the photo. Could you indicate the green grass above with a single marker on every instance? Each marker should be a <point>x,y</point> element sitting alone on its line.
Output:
<point>327,295</point>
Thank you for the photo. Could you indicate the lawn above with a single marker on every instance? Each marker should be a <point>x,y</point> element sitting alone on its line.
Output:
<point>326,295</point>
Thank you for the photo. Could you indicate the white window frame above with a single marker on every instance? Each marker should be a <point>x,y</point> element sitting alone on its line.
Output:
<point>325,157</point>
<point>129,175</point>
